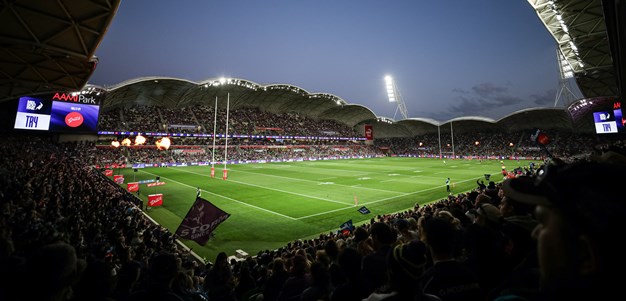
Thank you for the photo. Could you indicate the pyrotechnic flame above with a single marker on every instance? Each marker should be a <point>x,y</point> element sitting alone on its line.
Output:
<point>115,144</point>
<point>126,142</point>
<point>163,143</point>
<point>140,140</point>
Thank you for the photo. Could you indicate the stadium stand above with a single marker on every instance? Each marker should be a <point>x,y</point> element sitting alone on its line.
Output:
<point>69,233</point>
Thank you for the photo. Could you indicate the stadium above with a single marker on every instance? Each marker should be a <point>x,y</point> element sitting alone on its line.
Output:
<point>228,189</point>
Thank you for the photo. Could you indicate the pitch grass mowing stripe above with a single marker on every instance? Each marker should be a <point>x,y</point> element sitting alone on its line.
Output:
<point>381,200</point>
<point>274,189</point>
<point>222,196</point>
<point>316,182</point>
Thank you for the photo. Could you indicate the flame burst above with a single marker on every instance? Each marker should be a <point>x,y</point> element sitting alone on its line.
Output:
<point>163,143</point>
<point>126,142</point>
<point>139,140</point>
<point>115,144</point>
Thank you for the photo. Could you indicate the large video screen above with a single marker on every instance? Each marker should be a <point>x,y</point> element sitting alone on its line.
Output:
<point>610,121</point>
<point>59,112</point>
<point>33,114</point>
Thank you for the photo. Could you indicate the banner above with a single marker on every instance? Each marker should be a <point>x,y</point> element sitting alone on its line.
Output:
<point>156,184</point>
<point>202,218</point>
<point>132,187</point>
<point>108,172</point>
<point>155,200</point>
<point>369,132</point>
<point>118,179</point>
<point>364,210</point>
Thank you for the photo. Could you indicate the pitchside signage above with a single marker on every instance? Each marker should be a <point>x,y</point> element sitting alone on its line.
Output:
<point>155,200</point>
<point>132,187</point>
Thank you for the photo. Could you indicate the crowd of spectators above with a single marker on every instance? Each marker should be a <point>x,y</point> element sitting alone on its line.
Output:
<point>200,119</point>
<point>497,144</point>
<point>69,233</point>
<point>490,145</point>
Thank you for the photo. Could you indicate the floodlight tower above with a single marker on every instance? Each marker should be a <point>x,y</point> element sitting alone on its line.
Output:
<point>565,73</point>
<point>394,96</point>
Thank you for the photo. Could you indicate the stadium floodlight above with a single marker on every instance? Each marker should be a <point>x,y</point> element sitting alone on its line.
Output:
<point>389,85</point>
<point>393,94</point>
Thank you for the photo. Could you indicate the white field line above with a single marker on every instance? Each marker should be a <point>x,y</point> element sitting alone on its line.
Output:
<point>320,179</point>
<point>228,198</point>
<point>274,189</point>
<point>381,200</point>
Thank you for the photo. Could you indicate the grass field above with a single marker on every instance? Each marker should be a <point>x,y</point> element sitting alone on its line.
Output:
<point>274,203</point>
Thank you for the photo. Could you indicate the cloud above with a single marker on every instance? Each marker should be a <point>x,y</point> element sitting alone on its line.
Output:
<point>460,91</point>
<point>545,98</point>
<point>488,89</point>
<point>485,97</point>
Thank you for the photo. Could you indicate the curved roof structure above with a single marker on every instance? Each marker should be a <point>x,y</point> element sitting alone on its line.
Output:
<point>50,45</point>
<point>544,118</point>
<point>579,29</point>
<point>173,92</point>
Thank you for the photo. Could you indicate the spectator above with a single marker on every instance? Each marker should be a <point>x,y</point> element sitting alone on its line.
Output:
<point>580,209</point>
<point>448,279</point>
<point>406,267</point>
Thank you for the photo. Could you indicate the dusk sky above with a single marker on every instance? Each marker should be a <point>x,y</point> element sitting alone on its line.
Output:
<point>449,58</point>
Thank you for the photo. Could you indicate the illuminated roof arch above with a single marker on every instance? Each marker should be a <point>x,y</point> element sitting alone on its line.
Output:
<point>176,92</point>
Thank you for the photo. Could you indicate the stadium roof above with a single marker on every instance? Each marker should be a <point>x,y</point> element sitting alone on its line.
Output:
<point>173,92</point>
<point>544,118</point>
<point>579,29</point>
<point>50,45</point>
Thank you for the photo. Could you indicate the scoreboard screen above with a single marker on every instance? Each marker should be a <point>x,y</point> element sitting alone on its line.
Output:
<point>609,121</point>
<point>60,113</point>
<point>33,114</point>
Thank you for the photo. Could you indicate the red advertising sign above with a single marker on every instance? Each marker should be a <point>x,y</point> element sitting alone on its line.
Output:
<point>132,187</point>
<point>118,179</point>
<point>156,184</point>
<point>108,172</point>
<point>369,132</point>
<point>155,200</point>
